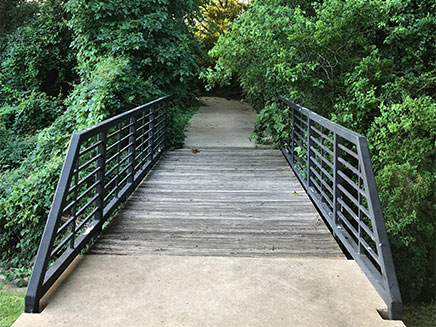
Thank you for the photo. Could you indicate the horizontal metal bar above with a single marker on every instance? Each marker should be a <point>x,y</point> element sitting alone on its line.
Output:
<point>126,137</point>
<point>340,130</point>
<point>321,193</point>
<point>299,137</point>
<point>322,134</point>
<point>356,218</point>
<point>325,172</point>
<point>354,200</point>
<point>348,224</point>
<point>360,239</point>
<point>327,186</point>
<point>65,225</point>
<point>159,131</point>
<point>350,152</point>
<point>120,129</point>
<point>61,245</point>
<point>351,183</point>
<point>111,170</point>
<point>94,130</point>
<point>89,189</point>
<point>126,177</point>
<point>360,207</point>
<point>83,180</point>
<point>117,131</point>
<point>328,163</point>
<point>80,197</point>
<point>322,146</point>
<point>117,187</point>
<point>349,166</point>
<point>303,121</point>
<point>90,148</point>
<point>141,144</point>
<point>301,129</point>
<point>117,176</point>
<point>111,192</point>
<point>146,158</point>
<point>158,117</point>
<point>159,144</point>
<point>86,164</point>
<point>140,131</point>
<point>82,209</point>
<point>118,153</point>
<point>143,151</point>
<point>86,219</point>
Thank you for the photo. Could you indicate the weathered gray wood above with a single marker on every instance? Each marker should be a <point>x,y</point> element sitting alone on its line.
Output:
<point>219,202</point>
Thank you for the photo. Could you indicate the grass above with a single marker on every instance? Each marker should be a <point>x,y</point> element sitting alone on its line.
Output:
<point>11,306</point>
<point>420,315</point>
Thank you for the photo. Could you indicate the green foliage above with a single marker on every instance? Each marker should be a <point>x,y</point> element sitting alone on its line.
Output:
<point>65,71</point>
<point>368,65</point>
<point>404,148</point>
<point>108,88</point>
<point>216,16</point>
<point>33,113</point>
<point>269,126</point>
<point>38,57</point>
<point>14,13</point>
<point>154,36</point>
<point>408,200</point>
<point>405,133</point>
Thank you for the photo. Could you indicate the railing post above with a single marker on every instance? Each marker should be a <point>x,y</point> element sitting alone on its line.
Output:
<point>34,289</point>
<point>132,149</point>
<point>151,133</point>
<point>291,133</point>
<point>336,181</point>
<point>74,207</point>
<point>394,302</point>
<point>164,131</point>
<point>359,211</point>
<point>309,152</point>
<point>100,175</point>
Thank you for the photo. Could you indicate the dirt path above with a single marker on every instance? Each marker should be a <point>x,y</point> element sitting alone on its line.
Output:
<point>221,122</point>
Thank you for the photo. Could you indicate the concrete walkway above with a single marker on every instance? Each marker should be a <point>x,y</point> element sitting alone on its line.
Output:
<point>210,291</point>
<point>158,290</point>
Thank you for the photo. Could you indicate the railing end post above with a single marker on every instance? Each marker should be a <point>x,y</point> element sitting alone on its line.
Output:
<point>395,310</point>
<point>31,303</point>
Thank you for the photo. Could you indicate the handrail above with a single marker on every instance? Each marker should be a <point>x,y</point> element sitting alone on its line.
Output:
<point>103,165</point>
<point>334,166</point>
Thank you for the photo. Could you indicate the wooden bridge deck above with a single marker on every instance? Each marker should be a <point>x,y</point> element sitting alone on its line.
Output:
<point>219,202</point>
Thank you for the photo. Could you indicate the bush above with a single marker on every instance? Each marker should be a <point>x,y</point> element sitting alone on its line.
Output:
<point>127,55</point>
<point>368,65</point>
<point>33,113</point>
<point>38,57</point>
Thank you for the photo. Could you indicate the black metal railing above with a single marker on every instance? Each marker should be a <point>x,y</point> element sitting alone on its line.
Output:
<point>333,164</point>
<point>103,165</point>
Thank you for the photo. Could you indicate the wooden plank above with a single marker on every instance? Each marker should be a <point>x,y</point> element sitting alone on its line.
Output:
<point>238,202</point>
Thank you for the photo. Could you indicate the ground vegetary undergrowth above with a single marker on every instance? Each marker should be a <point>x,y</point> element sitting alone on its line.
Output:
<point>11,306</point>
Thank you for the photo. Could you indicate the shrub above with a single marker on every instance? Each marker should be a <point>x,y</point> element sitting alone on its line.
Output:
<point>127,54</point>
<point>368,65</point>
